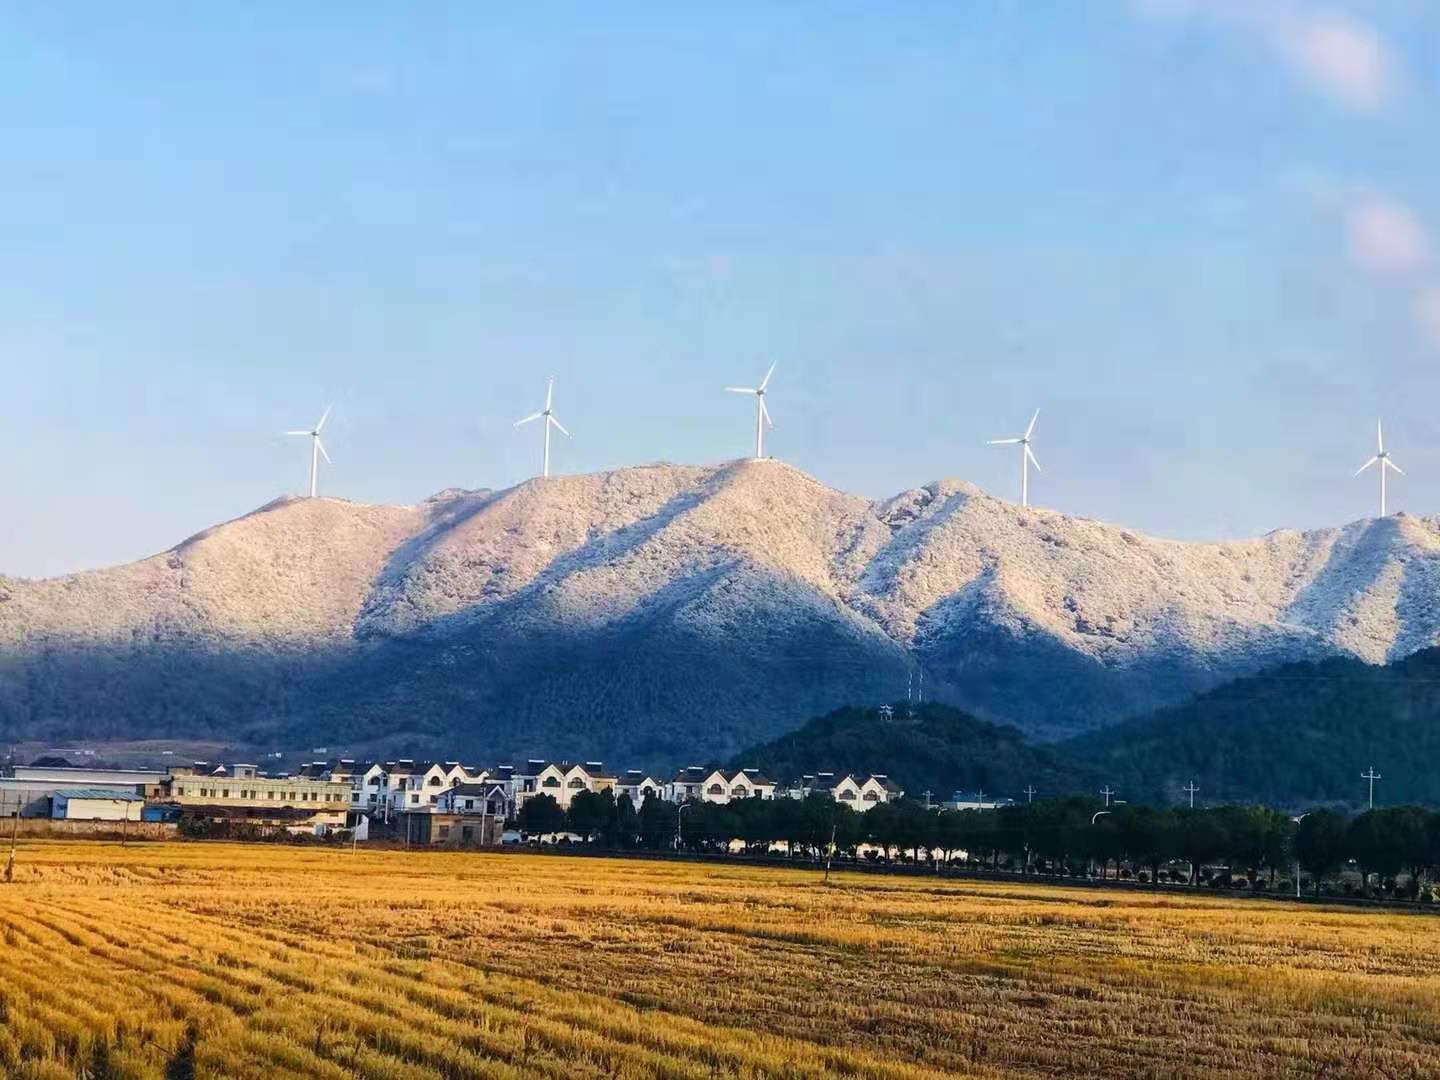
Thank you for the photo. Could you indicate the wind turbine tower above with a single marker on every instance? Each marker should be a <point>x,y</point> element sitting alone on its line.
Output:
<point>1027,457</point>
<point>1383,459</point>
<point>548,415</point>
<point>317,448</point>
<point>762,414</point>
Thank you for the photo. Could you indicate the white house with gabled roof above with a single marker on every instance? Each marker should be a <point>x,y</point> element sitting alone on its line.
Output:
<point>638,786</point>
<point>716,785</point>
<point>561,780</point>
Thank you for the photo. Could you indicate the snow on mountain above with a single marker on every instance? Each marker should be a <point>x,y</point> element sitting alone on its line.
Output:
<point>685,610</point>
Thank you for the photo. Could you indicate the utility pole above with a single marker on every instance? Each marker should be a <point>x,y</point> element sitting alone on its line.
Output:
<point>1297,821</point>
<point>1372,776</point>
<point>679,811</point>
<point>1190,788</point>
<point>830,852</point>
<point>14,832</point>
<point>1029,793</point>
<point>980,798</point>
<point>927,794</point>
<point>1107,792</point>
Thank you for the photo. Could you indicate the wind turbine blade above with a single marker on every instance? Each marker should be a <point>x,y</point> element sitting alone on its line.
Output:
<point>295,433</point>
<point>1379,438</point>
<point>766,381</point>
<point>766,413</point>
<point>549,392</point>
<point>561,426</point>
<point>1031,428</point>
<point>1031,455</point>
<point>1392,465</point>
<point>323,417</point>
<point>741,389</point>
<point>1003,442</point>
<point>532,416</point>
<point>321,447</point>
<point>1366,465</point>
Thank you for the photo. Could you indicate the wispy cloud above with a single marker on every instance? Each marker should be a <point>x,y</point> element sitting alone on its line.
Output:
<point>1338,54</point>
<point>1386,236</point>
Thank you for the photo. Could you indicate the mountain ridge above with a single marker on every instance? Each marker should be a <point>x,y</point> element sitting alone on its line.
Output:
<point>650,609</point>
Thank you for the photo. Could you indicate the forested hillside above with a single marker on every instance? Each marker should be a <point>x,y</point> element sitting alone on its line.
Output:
<point>1297,735</point>
<point>934,747</point>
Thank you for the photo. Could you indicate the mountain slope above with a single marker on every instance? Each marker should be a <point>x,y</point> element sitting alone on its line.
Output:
<point>1299,735</point>
<point>672,612</point>
<point>938,749</point>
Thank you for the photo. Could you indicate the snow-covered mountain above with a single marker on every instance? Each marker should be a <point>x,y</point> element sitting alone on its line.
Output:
<point>674,612</point>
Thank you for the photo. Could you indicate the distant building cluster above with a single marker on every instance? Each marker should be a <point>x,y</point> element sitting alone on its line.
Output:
<point>433,802</point>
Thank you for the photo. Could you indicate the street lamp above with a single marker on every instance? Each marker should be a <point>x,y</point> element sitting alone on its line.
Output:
<point>1098,815</point>
<point>1297,821</point>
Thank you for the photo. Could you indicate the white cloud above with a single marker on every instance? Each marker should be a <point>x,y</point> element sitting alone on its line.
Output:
<point>1386,236</point>
<point>1344,57</point>
<point>1340,55</point>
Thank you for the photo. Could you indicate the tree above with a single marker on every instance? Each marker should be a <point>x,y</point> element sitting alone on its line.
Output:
<point>1148,836</point>
<point>541,815</point>
<point>1386,841</point>
<point>627,823</point>
<point>1201,837</point>
<point>1320,843</point>
<point>657,823</point>
<point>592,814</point>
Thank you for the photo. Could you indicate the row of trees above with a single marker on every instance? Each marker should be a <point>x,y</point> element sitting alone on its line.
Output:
<point>1225,845</point>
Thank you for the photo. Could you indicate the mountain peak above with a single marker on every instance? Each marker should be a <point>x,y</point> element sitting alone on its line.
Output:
<point>680,602</point>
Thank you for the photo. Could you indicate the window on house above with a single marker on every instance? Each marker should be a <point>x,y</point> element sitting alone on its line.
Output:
<point>434,781</point>
<point>414,799</point>
<point>225,793</point>
<point>740,793</point>
<point>550,781</point>
<point>870,796</point>
<point>847,795</point>
<point>469,804</point>
<point>716,789</point>
<point>444,831</point>
<point>576,783</point>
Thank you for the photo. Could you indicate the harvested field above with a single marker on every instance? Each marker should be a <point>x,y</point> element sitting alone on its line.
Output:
<point>259,961</point>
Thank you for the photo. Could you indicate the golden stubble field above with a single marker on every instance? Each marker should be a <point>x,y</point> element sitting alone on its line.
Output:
<point>256,961</point>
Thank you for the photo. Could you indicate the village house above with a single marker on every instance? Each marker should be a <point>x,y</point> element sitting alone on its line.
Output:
<point>241,793</point>
<point>487,798</point>
<point>559,779</point>
<point>708,784</point>
<point>638,786</point>
<point>860,793</point>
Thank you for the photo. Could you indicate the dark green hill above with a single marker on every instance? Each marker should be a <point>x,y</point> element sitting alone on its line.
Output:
<point>1299,735</point>
<point>941,749</point>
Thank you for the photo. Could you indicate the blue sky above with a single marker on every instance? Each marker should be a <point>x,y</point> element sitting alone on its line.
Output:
<point>1196,233</point>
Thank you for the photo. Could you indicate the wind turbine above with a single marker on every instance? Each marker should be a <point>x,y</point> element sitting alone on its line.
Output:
<point>317,448</point>
<point>1027,457</point>
<point>762,414</point>
<point>549,416</point>
<point>1383,459</point>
